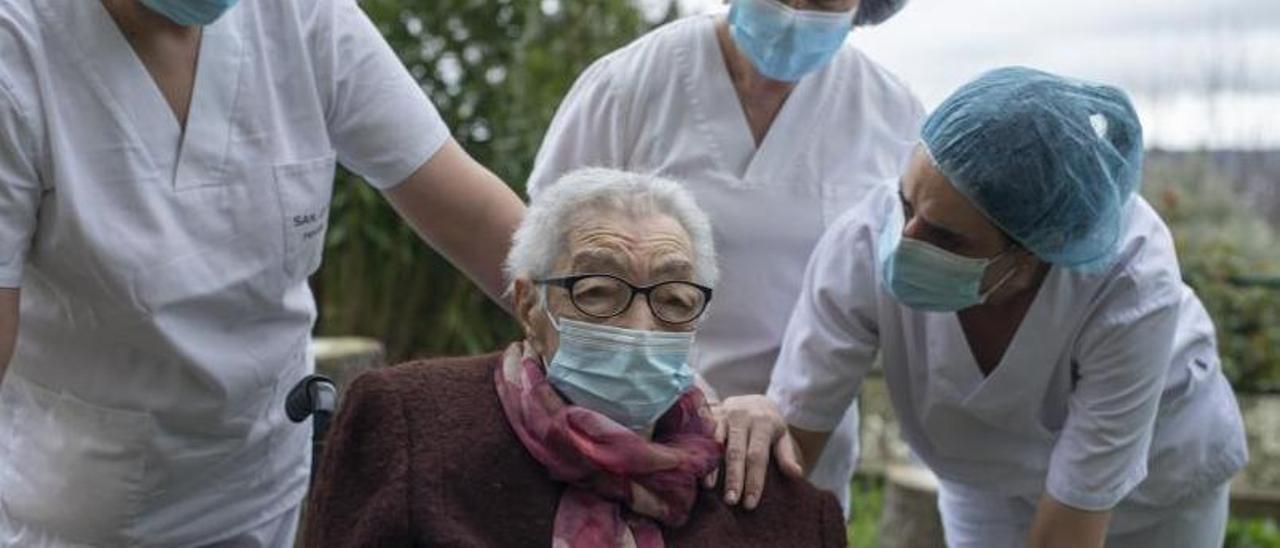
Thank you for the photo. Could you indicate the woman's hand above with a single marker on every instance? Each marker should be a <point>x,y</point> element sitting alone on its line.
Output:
<point>751,429</point>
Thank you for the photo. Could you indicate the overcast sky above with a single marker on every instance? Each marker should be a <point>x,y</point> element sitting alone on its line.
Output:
<point>1202,73</point>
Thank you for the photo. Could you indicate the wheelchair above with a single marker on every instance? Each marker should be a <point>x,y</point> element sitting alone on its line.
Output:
<point>314,396</point>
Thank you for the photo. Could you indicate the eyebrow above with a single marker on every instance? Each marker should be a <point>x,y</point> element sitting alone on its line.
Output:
<point>597,261</point>
<point>672,268</point>
<point>938,230</point>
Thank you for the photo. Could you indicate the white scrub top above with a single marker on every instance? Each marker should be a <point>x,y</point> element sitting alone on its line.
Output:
<point>665,105</point>
<point>1110,389</point>
<point>165,310</point>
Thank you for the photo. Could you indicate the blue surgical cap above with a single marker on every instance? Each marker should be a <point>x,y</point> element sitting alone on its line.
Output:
<point>1052,161</point>
<point>874,12</point>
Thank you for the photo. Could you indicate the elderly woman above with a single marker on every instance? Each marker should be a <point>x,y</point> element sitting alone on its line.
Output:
<point>589,432</point>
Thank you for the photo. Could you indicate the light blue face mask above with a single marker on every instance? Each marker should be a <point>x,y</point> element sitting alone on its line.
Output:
<point>190,12</point>
<point>926,277</point>
<point>785,43</point>
<point>628,375</point>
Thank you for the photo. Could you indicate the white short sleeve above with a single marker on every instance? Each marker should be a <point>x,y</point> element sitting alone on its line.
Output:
<point>589,128</point>
<point>20,189</point>
<point>380,121</point>
<point>832,337</point>
<point>1120,359</point>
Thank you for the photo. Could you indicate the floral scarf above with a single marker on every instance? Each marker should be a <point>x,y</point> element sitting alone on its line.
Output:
<point>621,486</point>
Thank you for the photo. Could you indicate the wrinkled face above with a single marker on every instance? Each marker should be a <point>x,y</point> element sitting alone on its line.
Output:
<point>936,213</point>
<point>641,251</point>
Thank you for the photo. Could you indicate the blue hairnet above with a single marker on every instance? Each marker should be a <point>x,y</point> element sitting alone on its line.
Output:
<point>1052,161</point>
<point>874,12</point>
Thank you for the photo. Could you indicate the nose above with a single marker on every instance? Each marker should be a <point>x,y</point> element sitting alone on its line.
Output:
<point>913,228</point>
<point>638,315</point>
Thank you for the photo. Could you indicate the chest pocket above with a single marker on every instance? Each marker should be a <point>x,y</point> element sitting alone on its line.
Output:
<point>305,190</point>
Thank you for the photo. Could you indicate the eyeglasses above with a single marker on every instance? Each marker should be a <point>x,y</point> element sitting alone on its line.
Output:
<point>604,296</point>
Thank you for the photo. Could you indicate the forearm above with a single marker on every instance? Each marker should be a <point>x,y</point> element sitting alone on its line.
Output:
<point>811,444</point>
<point>8,327</point>
<point>1057,525</point>
<point>463,211</point>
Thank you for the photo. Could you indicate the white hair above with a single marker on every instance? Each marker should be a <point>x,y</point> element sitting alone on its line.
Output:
<point>543,234</point>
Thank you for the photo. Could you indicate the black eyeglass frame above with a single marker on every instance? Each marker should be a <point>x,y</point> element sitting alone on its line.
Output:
<point>567,283</point>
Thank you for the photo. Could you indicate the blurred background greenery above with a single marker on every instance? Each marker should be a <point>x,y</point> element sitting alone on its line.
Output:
<point>496,70</point>
<point>1230,255</point>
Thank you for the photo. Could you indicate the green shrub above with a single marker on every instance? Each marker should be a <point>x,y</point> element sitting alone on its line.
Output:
<point>496,70</point>
<point>1252,533</point>
<point>866,504</point>
<point>1221,241</point>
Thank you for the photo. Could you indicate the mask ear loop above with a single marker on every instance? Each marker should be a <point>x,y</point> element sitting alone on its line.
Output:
<point>546,307</point>
<point>1003,279</point>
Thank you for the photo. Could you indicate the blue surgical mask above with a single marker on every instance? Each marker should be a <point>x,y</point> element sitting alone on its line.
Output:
<point>785,43</point>
<point>190,12</point>
<point>926,277</point>
<point>628,375</point>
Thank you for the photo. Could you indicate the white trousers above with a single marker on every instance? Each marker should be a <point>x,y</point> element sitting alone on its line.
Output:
<point>977,519</point>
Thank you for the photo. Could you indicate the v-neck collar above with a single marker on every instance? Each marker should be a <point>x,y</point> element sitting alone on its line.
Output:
<point>188,159</point>
<point>1018,362</point>
<point>763,164</point>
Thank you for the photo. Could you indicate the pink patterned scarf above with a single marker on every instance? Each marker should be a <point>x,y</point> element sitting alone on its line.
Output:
<point>619,482</point>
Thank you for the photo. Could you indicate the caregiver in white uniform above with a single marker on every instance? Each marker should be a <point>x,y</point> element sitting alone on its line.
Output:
<point>1040,349</point>
<point>777,125</point>
<point>165,177</point>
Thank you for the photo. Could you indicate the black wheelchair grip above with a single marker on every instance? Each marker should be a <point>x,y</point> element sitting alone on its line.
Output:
<point>313,394</point>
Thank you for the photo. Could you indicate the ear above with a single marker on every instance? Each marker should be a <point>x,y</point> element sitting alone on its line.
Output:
<point>1030,261</point>
<point>533,318</point>
<point>525,302</point>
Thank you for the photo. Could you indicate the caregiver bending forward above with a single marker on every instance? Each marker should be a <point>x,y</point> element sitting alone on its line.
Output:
<point>1041,351</point>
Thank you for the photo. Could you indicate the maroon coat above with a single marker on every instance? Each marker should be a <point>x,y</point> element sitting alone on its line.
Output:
<point>422,455</point>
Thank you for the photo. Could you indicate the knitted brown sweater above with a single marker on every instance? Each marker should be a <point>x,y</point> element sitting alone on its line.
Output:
<point>421,454</point>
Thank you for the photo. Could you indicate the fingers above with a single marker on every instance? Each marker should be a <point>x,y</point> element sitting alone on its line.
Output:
<point>735,456</point>
<point>788,455</point>
<point>757,465</point>
<point>748,427</point>
<point>721,432</point>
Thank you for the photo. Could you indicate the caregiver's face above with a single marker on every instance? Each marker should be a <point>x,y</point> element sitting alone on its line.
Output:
<point>936,213</point>
<point>641,251</point>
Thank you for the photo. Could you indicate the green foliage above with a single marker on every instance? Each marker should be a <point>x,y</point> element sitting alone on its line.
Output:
<point>496,70</point>
<point>866,505</point>
<point>1221,240</point>
<point>1252,533</point>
